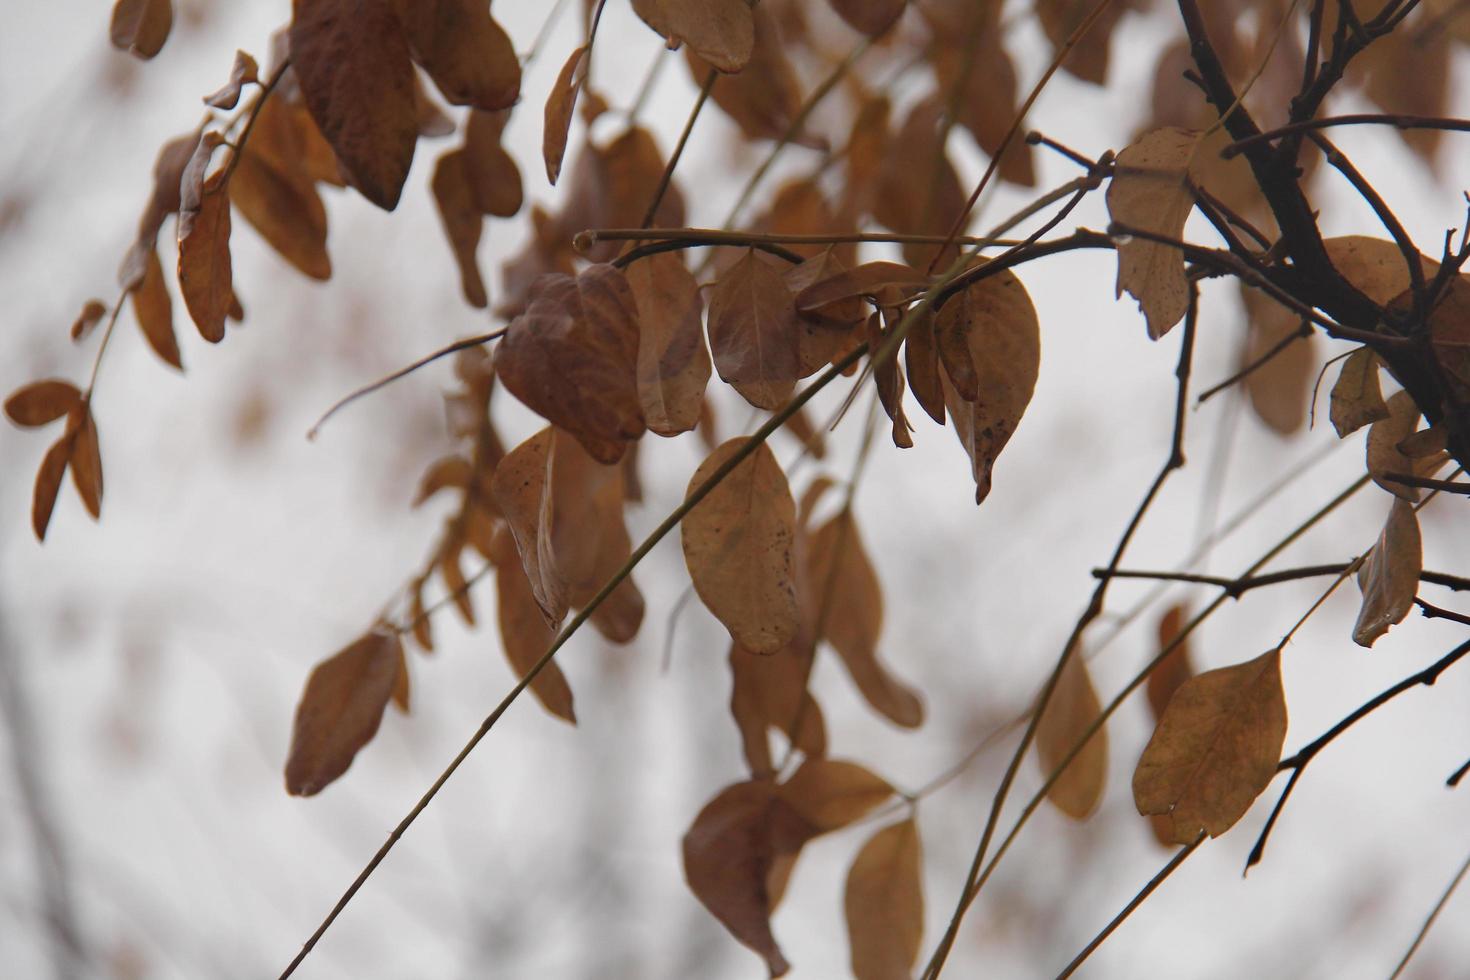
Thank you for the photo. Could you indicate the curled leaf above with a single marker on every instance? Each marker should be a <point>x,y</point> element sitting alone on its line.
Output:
<point>242,73</point>
<point>1357,399</point>
<point>1389,576</point>
<point>1384,437</point>
<point>561,105</point>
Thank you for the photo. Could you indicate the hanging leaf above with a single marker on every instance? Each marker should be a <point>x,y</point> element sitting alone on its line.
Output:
<point>738,548</point>
<point>868,279</point>
<point>1215,749</point>
<point>989,103</point>
<point>462,222</point>
<point>86,463</point>
<point>572,357</point>
<point>1060,19</point>
<point>721,32</point>
<point>1384,437</point>
<point>494,178</point>
<point>48,483</point>
<point>560,108</point>
<point>921,357</point>
<point>1280,388</point>
<point>830,794</point>
<point>765,98</point>
<point>205,276</point>
<point>140,27</point>
<point>884,904</point>
<point>730,851</point>
<point>402,683</point>
<point>1389,577</point>
<point>919,192</point>
<point>352,61</point>
<point>465,52</point>
<point>870,17</point>
<point>92,313</point>
<point>990,345</point>
<point>673,361</point>
<point>42,402</point>
<point>520,489</point>
<point>242,73</point>
<point>1150,191</point>
<point>275,194</point>
<point>1357,399</point>
<point>450,472</point>
<point>1072,710</point>
<point>839,573</point>
<point>753,332</point>
<point>1174,669</point>
<point>154,310</point>
<point>340,711</point>
<point>526,638</point>
<point>770,692</point>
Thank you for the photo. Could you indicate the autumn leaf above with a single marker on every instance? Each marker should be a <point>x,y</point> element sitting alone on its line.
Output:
<point>526,638</point>
<point>884,904</point>
<point>921,357</point>
<point>1375,266</point>
<point>462,221</point>
<point>730,852</point>
<point>86,461</point>
<point>465,52</point>
<point>92,313</point>
<point>989,103</point>
<point>738,548</point>
<point>847,602</point>
<point>494,178</point>
<point>753,332</point>
<point>340,711</point>
<point>1357,399</point>
<point>42,402</point>
<point>1215,749</point>
<point>572,358</point>
<point>1150,192</point>
<point>1279,388</point>
<point>829,794</point>
<point>1171,672</point>
<point>243,72</point>
<point>560,108</point>
<point>205,276</point>
<point>867,279</point>
<point>1384,436</point>
<point>1072,710</point>
<point>765,98</point>
<point>924,205</point>
<point>673,361</point>
<point>519,486</point>
<point>769,691</point>
<point>352,60</point>
<point>140,27</point>
<point>154,310</point>
<point>1389,576</point>
<point>871,17</point>
<point>282,204</point>
<point>1088,60</point>
<point>990,344</point>
<point>48,483</point>
<point>721,32</point>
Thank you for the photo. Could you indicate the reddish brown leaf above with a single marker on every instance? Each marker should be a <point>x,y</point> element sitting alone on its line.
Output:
<point>868,279</point>
<point>340,711</point>
<point>1072,710</point>
<point>1173,670</point>
<point>155,312</point>
<point>140,27</point>
<point>1389,576</point>
<point>495,180</point>
<point>921,357</point>
<point>526,637</point>
<point>1060,19</point>
<point>871,17</point>
<point>450,472</point>
<point>462,221</point>
<point>519,487</point>
<point>48,484</point>
<point>730,852</point>
<point>753,332</point>
<point>994,323</point>
<point>765,98</point>
<point>830,794</point>
<point>927,204</point>
<point>204,259</point>
<point>243,72</point>
<point>560,107</point>
<point>884,904</point>
<point>1215,749</point>
<point>738,548</point>
<point>41,402</point>
<point>1375,265</point>
<point>456,584</point>
<point>989,103</point>
<point>722,32</point>
<point>847,602</point>
<point>769,691</point>
<point>92,313</point>
<point>463,49</point>
<point>402,683</point>
<point>673,361</point>
<point>279,199</point>
<point>352,60</point>
<point>86,464</point>
<point>572,358</point>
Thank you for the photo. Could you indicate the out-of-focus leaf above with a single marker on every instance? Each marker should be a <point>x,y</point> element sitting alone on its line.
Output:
<point>1173,670</point>
<point>41,402</point>
<point>673,361</point>
<point>205,276</point>
<point>829,794</point>
<point>86,464</point>
<point>140,27</point>
<point>1384,436</point>
<point>243,72</point>
<point>1389,576</point>
<point>465,52</point>
<point>340,711</point>
<point>462,222</point>
<point>884,904</point>
<point>1072,710</point>
<point>721,32</point>
<point>526,637</point>
<point>560,107</point>
<point>155,312</point>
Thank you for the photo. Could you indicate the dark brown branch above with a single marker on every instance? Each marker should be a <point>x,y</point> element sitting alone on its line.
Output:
<point>1409,480</point>
<point>1429,922</point>
<point>668,174</point>
<point>1351,119</point>
<point>1236,587</point>
<point>1299,762</point>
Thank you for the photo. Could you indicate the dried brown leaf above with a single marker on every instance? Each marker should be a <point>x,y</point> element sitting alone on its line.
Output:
<point>673,361</point>
<point>1280,388</point>
<point>494,178</point>
<point>829,794</point>
<point>204,259</point>
<point>1150,192</point>
<point>1357,399</point>
<point>463,222</point>
<point>86,463</point>
<point>1384,437</point>
<point>352,60</point>
<point>41,402</point>
<point>769,691</point>
<point>1389,576</point>
<point>465,52</point>
<point>1072,710</point>
<point>738,548</point>
<point>92,313</point>
<point>721,32</point>
<point>155,312</point>
<point>753,332</point>
<point>340,711</point>
<point>526,638</point>
<point>765,98</point>
<point>1215,749</point>
<point>520,489</point>
<point>884,904</point>
<point>48,484</point>
<point>140,27</point>
<point>1173,670</point>
<point>871,17</point>
<point>242,73</point>
<point>282,204</point>
<point>560,108</point>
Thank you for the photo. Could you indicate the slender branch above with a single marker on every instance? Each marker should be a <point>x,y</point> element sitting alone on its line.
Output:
<point>1300,760</point>
<point>1174,862</point>
<point>1281,345</point>
<point>404,372</point>
<point>237,147</point>
<point>668,174</point>
<point>1433,914</point>
<point>1398,121</point>
<point>750,239</point>
<point>1236,587</point>
<point>659,533</point>
<point>1409,480</point>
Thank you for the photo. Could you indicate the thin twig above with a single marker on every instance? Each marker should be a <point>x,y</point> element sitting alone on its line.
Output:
<point>1433,914</point>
